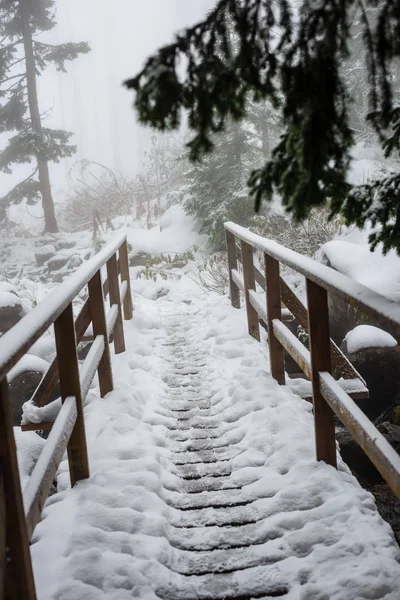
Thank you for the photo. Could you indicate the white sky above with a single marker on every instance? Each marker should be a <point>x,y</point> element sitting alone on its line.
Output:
<point>90,100</point>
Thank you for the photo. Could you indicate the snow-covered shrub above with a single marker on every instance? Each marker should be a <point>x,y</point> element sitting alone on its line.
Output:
<point>305,237</point>
<point>99,193</point>
<point>166,266</point>
<point>212,275</point>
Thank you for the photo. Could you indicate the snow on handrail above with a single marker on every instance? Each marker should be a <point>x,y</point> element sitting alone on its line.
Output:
<point>39,483</point>
<point>17,341</point>
<point>329,397</point>
<point>384,310</point>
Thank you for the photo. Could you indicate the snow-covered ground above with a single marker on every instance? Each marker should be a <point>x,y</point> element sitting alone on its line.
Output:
<point>203,479</point>
<point>142,524</point>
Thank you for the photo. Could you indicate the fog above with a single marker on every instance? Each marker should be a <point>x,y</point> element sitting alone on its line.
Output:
<point>89,100</point>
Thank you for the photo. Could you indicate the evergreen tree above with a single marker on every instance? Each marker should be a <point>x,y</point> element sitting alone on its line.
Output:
<point>292,56</point>
<point>216,188</point>
<point>355,75</point>
<point>22,58</point>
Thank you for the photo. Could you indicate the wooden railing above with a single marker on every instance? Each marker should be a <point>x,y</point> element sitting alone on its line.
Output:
<point>329,397</point>
<point>20,512</point>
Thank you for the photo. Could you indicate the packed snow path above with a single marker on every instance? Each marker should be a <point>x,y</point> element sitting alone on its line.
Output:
<point>204,483</point>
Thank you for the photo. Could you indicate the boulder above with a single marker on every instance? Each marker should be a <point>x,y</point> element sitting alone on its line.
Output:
<point>59,277</point>
<point>11,310</point>
<point>44,254</point>
<point>73,263</point>
<point>355,457</point>
<point>23,381</point>
<point>139,259</point>
<point>58,261</point>
<point>8,287</point>
<point>380,368</point>
<point>342,317</point>
<point>386,501</point>
<point>64,244</point>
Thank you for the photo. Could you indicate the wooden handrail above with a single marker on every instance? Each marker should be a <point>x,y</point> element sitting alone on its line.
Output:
<point>385,311</point>
<point>16,342</point>
<point>329,397</point>
<point>19,513</point>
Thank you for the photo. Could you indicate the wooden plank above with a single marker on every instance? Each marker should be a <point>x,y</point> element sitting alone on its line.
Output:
<point>98,316</point>
<point>257,304</point>
<point>44,426</point>
<point>49,382</point>
<point>378,449</point>
<point>293,346</point>
<point>86,372</point>
<point>238,279</point>
<point>70,386</point>
<point>123,290</point>
<point>249,284</point>
<point>111,319</point>
<point>37,489</point>
<point>301,356</point>
<point>2,531</point>
<point>238,252</point>
<point>91,364</point>
<point>125,278</point>
<point>14,344</point>
<point>341,366</point>
<point>259,277</point>
<point>274,311</point>
<point>232,264</point>
<point>318,327</point>
<point>118,332</point>
<point>383,310</point>
<point>18,580</point>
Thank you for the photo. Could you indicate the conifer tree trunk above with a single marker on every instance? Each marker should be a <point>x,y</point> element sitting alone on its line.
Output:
<point>50,222</point>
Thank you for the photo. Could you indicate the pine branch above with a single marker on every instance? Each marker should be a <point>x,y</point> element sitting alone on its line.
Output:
<point>12,86</point>
<point>20,75</point>
<point>255,50</point>
<point>28,189</point>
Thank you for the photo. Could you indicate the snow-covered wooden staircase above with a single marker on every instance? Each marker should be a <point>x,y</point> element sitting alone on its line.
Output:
<point>220,536</point>
<point>203,483</point>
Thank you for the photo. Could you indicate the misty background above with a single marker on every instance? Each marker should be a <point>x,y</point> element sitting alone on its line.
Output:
<point>90,100</point>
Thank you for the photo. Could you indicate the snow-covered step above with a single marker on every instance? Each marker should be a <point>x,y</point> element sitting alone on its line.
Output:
<point>194,434</point>
<point>204,484</point>
<point>188,562</point>
<point>183,405</point>
<point>250,584</point>
<point>232,516</point>
<point>206,456</point>
<point>196,471</point>
<point>225,498</point>
<point>223,537</point>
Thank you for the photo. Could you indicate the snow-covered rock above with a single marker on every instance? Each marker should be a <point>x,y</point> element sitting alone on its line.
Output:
<point>375,270</point>
<point>367,336</point>
<point>177,233</point>
<point>23,381</point>
<point>44,254</point>
<point>11,309</point>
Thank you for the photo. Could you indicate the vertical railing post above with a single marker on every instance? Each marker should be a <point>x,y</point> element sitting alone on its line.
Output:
<point>318,328</point>
<point>234,292</point>
<point>18,581</point>
<point>249,284</point>
<point>124,269</point>
<point>115,298</point>
<point>96,302</point>
<point>274,311</point>
<point>68,370</point>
